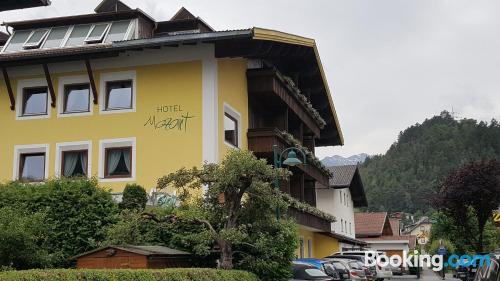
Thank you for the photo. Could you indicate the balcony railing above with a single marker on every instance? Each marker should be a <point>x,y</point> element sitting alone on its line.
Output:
<point>309,220</point>
<point>270,85</point>
<point>261,141</point>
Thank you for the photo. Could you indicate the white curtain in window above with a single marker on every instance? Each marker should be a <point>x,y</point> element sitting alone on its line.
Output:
<point>70,161</point>
<point>126,157</point>
<point>83,162</point>
<point>113,160</point>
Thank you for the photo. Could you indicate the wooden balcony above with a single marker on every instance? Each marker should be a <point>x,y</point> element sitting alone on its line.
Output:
<point>261,142</point>
<point>309,220</point>
<point>268,86</point>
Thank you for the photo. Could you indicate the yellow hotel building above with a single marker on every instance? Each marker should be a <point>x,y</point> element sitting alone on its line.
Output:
<point>127,99</point>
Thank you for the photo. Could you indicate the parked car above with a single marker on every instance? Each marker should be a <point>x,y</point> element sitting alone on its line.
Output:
<point>379,272</point>
<point>304,271</point>
<point>323,265</point>
<point>357,271</point>
<point>342,269</point>
<point>489,271</point>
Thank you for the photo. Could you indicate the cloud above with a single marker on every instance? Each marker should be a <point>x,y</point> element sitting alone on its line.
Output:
<point>390,63</point>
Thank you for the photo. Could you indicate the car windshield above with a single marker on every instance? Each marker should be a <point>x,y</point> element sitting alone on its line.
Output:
<point>355,265</point>
<point>315,272</point>
<point>339,265</point>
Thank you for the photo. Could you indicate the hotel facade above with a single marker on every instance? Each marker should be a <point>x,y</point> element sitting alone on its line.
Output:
<point>124,98</point>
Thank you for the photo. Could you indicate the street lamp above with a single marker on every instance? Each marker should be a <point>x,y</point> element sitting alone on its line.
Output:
<point>291,160</point>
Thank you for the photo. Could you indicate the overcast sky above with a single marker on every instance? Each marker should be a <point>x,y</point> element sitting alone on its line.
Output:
<point>389,63</point>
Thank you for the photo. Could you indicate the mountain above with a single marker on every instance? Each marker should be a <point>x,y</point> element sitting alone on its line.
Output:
<point>404,177</point>
<point>337,160</point>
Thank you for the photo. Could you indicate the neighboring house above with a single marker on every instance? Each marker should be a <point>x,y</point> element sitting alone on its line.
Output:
<point>421,229</point>
<point>375,229</point>
<point>346,192</point>
<point>127,99</point>
<point>6,5</point>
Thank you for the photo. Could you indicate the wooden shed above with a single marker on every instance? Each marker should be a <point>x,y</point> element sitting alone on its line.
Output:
<point>133,257</point>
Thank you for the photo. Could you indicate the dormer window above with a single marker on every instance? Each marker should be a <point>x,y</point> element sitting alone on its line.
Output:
<point>97,32</point>
<point>35,39</point>
<point>78,35</point>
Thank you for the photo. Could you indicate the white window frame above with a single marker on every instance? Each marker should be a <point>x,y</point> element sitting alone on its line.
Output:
<point>30,83</point>
<point>70,146</point>
<point>100,39</point>
<point>39,43</point>
<point>309,248</point>
<point>117,76</point>
<point>110,143</point>
<point>63,40</point>
<point>70,80</point>
<point>237,116</point>
<point>29,148</point>
<point>129,33</point>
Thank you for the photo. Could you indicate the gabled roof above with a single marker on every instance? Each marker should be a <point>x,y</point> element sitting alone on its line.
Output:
<point>6,5</point>
<point>395,226</point>
<point>348,176</point>
<point>111,6</point>
<point>372,225</point>
<point>183,14</point>
<point>140,250</point>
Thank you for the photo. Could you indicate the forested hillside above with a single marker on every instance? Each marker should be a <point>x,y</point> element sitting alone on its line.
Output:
<point>402,179</point>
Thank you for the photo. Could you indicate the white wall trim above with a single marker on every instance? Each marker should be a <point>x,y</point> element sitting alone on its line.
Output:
<point>28,83</point>
<point>30,148</point>
<point>68,146</point>
<point>109,143</point>
<point>68,80</point>
<point>236,115</point>
<point>210,149</point>
<point>116,76</point>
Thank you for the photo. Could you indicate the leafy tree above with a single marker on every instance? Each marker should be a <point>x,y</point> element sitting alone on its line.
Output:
<point>237,213</point>
<point>77,212</point>
<point>134,197</point>
<point>468,196</point>
<point>23,239</point>
<point>422,156</point>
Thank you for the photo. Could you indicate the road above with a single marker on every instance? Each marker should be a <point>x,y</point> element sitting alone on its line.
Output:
<point>427,275</point>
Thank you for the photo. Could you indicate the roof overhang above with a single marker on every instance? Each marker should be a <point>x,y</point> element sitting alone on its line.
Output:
<point>6,5</point>
<point>350,177</point>
<point>345,239</point>
<point>293,54</point>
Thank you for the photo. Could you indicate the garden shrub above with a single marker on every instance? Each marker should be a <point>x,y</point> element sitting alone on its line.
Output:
<point>77,213</point>
<point>134,197</point>
<point>174,274</point>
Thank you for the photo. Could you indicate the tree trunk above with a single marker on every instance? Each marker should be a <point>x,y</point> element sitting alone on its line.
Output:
<point>226,255</point>
<point>480,240</point>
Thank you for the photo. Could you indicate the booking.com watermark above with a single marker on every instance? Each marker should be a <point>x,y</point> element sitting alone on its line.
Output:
<point>436,262</point>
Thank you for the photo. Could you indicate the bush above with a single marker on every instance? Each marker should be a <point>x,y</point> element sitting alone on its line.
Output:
<point>175,274</point>
<point>22,240</point>
<point>77,212</point>
<point>134,197</point>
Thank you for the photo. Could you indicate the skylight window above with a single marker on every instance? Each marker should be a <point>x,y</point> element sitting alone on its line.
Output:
<point>78,35</point>
<point>35,39</point>
<point>97,32</point>
<point>17,41</point>
<point>118,31</point>
<point>55,37</point>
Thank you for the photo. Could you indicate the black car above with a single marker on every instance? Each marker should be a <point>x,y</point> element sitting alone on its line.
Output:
<point>489,271</point>
<point>303,271</point>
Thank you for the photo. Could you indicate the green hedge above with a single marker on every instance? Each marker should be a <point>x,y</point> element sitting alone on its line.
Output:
<point>175,274</point>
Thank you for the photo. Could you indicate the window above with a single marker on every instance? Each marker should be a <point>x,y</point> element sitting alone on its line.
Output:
<point>32,167</point>
<point>342,224</point>
<point>309,248</point>
<point>36,38</point>
<point>74,163</point>
<point>34,101</point>
<point>17,40</point>
<point>117,160</point>
<point>78,35</point>
<point>97,32</point>
<point>350,228</point>
<point>232,126</point>
<point>119,92</point>
<point>230,130</point>
<point>118,95</point>
<point>117,31</point>
<point>55,37</point>
<point>30,162</point>
<point>76,98</point>
<point>340,196</point>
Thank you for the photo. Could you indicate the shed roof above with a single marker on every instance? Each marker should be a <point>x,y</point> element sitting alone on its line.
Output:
<point>141,250</point>
<point>348,176</point>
